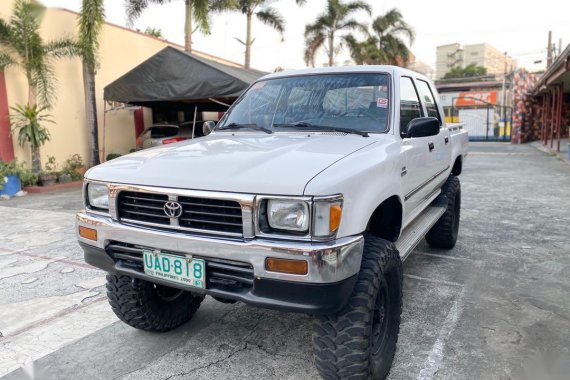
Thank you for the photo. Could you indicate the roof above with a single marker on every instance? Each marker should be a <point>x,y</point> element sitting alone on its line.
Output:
<point>466,86</point>
<point>174,75</point>
<point>560,67</point>
<point>345,69</point>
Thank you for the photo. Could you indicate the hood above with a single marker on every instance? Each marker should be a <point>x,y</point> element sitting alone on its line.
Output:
<point>280,163</point>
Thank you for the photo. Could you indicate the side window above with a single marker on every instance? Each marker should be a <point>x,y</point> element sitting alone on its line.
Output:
<point>410,107</point>
<point>429,99</point>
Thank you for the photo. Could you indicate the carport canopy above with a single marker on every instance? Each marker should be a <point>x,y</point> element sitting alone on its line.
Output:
<point>172,75</point>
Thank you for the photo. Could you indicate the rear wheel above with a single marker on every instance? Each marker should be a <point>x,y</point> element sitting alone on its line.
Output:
<point>151,307</point>
<point>444,233</point>
<point>359,342</point>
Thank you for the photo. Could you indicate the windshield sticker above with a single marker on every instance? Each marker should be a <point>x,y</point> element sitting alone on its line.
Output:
<point>382,103</point>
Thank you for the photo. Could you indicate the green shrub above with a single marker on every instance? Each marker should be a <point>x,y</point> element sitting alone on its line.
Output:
<point>27,177</point>
<point>73,166</point>
<point>112,156</point>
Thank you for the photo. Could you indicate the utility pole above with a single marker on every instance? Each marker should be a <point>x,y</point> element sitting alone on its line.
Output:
<point>549,50</point>
<point>504,98</point>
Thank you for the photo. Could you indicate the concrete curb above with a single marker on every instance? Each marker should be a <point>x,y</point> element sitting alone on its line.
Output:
<point>51,188</point>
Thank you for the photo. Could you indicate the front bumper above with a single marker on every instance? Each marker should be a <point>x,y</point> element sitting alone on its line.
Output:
<point>332,266</point>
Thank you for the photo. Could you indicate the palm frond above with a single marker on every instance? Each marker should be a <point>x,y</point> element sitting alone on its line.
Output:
<point>44,81</point>
<point>272,18</point>
<point>358,6</point>
<point>134,8</point>
<point>201,10</point>
<point>91,19</point>
<point>6,60</point>
<point>313,43</point>
<point>63,47</point>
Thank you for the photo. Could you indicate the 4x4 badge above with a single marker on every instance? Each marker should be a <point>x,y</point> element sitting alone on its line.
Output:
<point>173,209</point>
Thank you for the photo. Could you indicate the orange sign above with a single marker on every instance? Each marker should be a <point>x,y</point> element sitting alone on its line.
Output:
<point>476,98</point>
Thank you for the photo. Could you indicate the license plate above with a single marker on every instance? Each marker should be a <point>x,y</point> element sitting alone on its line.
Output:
<point>180,269</point>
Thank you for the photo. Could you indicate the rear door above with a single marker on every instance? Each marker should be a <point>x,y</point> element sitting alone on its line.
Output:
<point>419,161</point>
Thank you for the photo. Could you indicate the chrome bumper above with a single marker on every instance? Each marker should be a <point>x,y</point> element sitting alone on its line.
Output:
<point>328,262</point>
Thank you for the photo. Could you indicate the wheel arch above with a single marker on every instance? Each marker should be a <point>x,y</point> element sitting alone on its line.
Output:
<point>386,220</point>
<point>457,166</point>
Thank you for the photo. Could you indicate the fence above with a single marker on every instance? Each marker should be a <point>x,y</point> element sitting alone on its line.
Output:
<point>484,121</point>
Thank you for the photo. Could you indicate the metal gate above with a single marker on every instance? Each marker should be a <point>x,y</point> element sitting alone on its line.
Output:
<point>485,121</point>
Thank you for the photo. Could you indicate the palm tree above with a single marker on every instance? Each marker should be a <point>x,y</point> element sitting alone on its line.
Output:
<point>264,13</point>
<point>91,20</point>
<point>335,19</point>
<point>22,46</point>
<point>388,29</point>
<point>196,10</point>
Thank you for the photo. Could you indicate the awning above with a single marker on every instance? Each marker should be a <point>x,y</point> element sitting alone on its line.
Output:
<point>172,75</point>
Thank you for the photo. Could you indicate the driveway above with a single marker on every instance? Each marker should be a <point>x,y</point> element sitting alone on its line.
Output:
<point>495,306</point>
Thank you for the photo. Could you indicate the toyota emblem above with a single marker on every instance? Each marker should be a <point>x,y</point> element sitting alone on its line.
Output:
<point>173,209</point>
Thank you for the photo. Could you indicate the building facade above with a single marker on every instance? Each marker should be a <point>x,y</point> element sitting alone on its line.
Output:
<point>485,55</point>
<point>121,50</point>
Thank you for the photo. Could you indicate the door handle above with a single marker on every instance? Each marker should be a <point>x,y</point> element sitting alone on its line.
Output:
<point>446,140</point>
<point>430,146</point>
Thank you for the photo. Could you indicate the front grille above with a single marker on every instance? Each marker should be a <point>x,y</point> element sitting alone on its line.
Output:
<point>198,214</point>
<point>142,207</point>
<point>211,214</point>
<point>220,274</point>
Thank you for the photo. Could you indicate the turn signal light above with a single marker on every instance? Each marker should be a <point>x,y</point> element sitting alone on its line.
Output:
<point>334,221</point>
<point>286,266</point>
<point>88,233</point>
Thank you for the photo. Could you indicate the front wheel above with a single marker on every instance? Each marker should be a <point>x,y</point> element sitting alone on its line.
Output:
<point>151,307</point>
<point>359,342</point>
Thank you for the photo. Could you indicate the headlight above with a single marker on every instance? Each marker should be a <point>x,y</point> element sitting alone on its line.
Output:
<point>288,215</point>
<point>327,213</point>
<point>98,196</point>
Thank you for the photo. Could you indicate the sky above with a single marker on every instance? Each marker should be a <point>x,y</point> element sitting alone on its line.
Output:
<point>519,28</point>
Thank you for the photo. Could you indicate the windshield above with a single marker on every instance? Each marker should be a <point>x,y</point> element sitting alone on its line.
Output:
<point>349,101</point>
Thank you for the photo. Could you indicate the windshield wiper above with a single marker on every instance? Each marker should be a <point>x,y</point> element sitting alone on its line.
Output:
<point>304,124</point>
<point>251,126</point>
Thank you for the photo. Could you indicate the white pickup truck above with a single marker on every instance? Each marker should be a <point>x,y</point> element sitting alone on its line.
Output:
<point>306,196</point>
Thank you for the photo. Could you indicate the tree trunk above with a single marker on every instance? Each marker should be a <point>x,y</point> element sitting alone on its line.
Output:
<point>331,49</point>
<point>91,113</point>
<point>248,40</point>
<point>36,161</point>
<point>32,97</point>
<point>36,157</point>
<point>188,27</point>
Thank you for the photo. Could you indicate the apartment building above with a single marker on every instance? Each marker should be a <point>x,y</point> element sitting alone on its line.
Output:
<point>455,55</point>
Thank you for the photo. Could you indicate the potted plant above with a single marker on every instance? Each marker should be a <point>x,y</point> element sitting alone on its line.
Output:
<point>10,183</point>
<point>49,175</point>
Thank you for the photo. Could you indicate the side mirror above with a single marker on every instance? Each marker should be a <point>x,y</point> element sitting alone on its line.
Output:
<point>423,127</point>
<point>207,127</point>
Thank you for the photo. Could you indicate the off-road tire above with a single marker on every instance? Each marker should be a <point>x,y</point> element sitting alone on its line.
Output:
<point>444,232</point>
<point>146,306</point>
<point>343,343</point>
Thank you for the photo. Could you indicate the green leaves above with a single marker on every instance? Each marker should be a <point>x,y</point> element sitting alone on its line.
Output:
<point>91,19</point>
<point>469,71</point>
<point>336,18</point>
<point>384,45</point>
<point>22,45</point>
<point>27,121</point>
